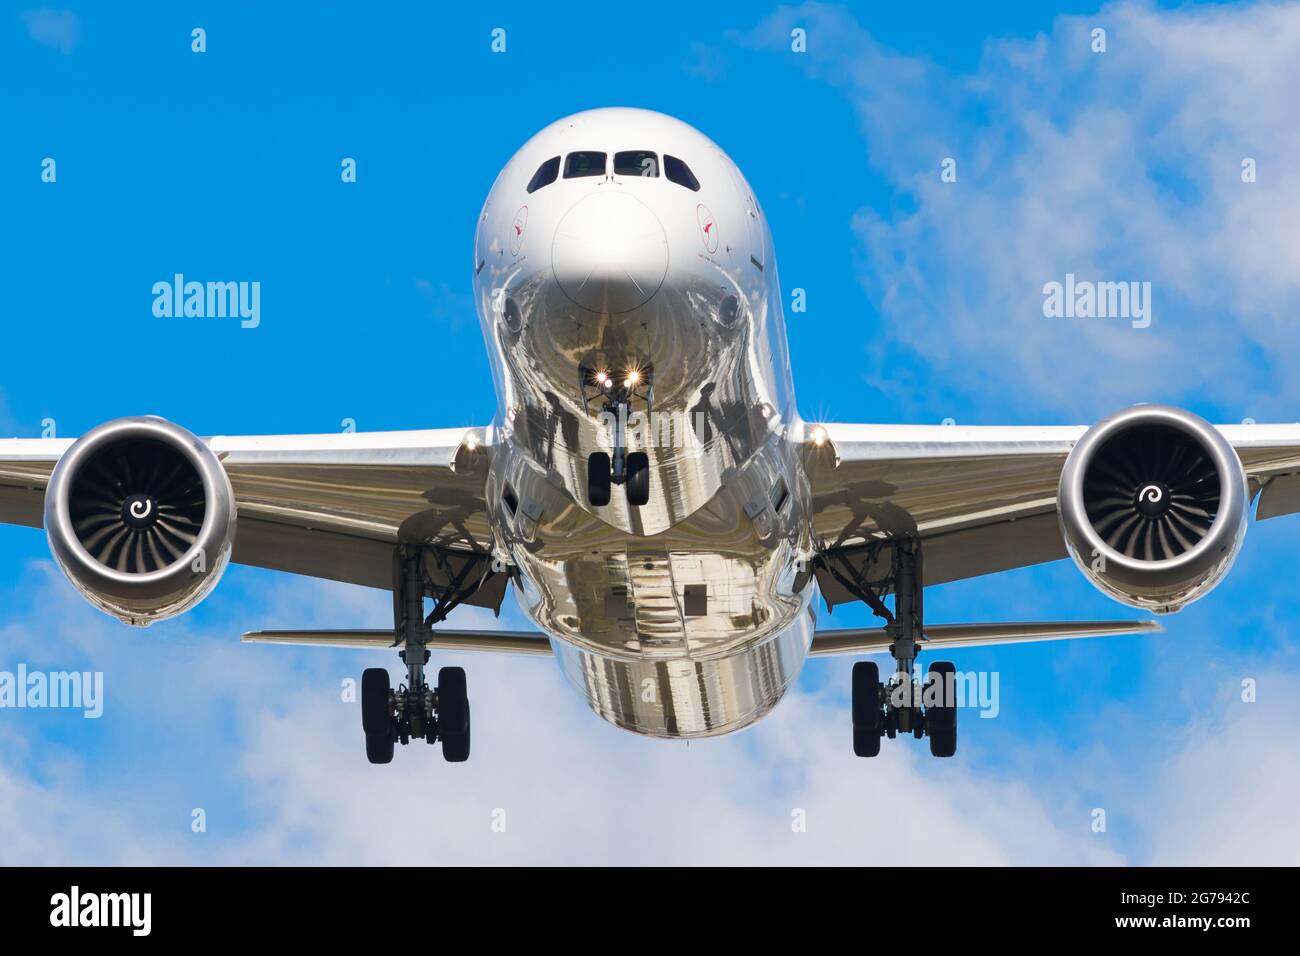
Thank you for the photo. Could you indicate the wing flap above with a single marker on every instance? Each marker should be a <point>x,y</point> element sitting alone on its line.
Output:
<point>1281,496</point>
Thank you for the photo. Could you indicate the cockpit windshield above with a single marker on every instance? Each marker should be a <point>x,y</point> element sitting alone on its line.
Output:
<point>545,175</point>
<point>584,164</point>
<point>679,173</point>
<point>643,163</point>
<point>636,162</point>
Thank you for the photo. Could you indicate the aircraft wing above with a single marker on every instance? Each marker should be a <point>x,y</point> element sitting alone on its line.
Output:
<point>981,499</point>
<point>328,506</point>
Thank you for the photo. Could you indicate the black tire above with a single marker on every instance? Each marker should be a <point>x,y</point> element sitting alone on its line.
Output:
<point>941,720</point>
<point>866,743</point>
<point>867,719</point>
<point>456,749</point>
<point>638,478</point>
<point>379,748</point>
<point>376,717</point>
<point>453,714</point>
<point>598,475</point>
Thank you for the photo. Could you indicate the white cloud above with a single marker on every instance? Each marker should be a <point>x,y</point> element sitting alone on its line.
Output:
<point>576,791</point>
<point>260,738</point>
<point>1124,165</point>
<point>60,29</point>
<point>1226,794</point>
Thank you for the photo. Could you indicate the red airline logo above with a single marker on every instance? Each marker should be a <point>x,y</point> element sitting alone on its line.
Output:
<point>708,227</point>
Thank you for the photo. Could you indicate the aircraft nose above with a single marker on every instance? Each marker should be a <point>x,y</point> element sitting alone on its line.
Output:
<point>610,253</point>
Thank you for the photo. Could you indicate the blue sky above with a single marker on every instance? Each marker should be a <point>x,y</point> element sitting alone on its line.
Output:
<point>924,304</point>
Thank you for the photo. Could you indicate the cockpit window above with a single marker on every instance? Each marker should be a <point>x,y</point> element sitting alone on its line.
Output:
<point>545,174</point>
<point>679,173</point>
<point>636,162</point>
<point>584,164</point>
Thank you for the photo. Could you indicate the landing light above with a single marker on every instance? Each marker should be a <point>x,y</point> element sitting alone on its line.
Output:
<point>819,436</point>
<point>633,377</point>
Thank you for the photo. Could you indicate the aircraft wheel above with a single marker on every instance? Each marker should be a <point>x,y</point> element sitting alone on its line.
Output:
<point>453,714</point>
<point>379,748</point>
<point>376,718</point>
<point>598,475</point>
<point>866,709</point>
<point>941,720</point>
<point>638,478</point>
<point>455,749</point>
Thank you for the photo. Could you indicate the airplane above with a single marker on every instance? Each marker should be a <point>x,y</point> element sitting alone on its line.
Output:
<point>647,488</point>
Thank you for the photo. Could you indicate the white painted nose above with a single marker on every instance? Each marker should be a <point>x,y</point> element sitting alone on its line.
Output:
<point>610,253</point>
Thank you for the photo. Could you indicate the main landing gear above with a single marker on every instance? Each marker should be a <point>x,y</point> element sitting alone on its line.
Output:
<point>414,710</point>
<point>631,469</point>
<point>903,705</point>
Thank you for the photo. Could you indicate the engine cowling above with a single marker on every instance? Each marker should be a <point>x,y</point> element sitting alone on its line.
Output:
<point>140,516</point>
<point>1152,504</point>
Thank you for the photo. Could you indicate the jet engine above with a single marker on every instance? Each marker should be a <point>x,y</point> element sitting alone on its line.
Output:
<point>140,516</point>
<point>1152,503</point>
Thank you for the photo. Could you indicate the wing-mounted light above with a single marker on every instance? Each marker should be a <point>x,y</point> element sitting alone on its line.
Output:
<point>819,450</point>
<point>1152,503</point>
<point>140,516</point>
<point>473,454</point>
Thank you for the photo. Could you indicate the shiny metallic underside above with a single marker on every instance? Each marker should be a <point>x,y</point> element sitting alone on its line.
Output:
<point>685,616</point>
<point>687,697</point>
<point>728,514</point>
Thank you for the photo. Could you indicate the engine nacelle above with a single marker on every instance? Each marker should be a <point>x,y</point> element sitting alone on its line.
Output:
<point>1152,503</point>
<point>141,518</point>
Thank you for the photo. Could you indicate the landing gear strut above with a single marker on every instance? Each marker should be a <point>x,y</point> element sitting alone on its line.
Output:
<point>414,710</point>
<point>631,469</point>
<point>901,705</point>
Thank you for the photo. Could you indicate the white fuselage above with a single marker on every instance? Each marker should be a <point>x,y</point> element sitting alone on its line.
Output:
<point>640,257</point>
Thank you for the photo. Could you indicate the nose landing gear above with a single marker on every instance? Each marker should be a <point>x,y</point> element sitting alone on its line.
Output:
<point>414,710</point>
<point>630,469</point>
<point>903,705</point>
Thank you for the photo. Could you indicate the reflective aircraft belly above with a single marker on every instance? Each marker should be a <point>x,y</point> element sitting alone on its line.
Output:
<point>694,631</point>
<point>688,697</point>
